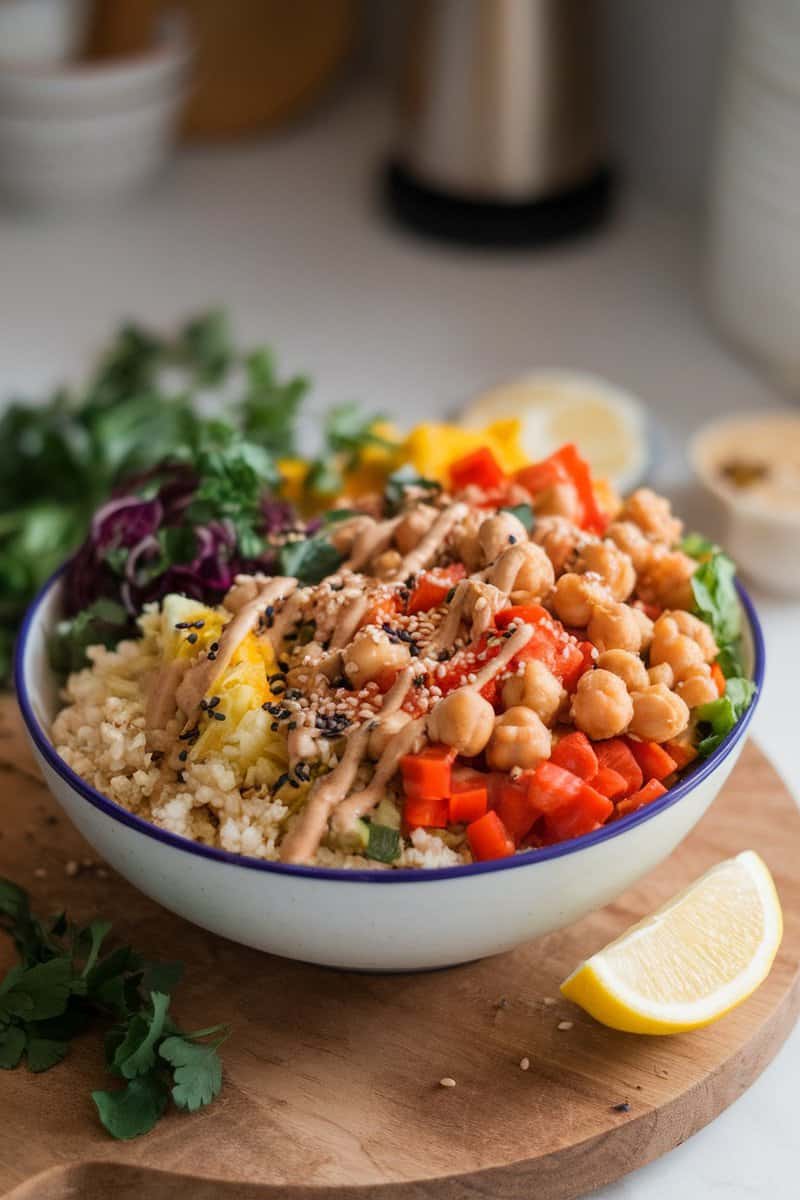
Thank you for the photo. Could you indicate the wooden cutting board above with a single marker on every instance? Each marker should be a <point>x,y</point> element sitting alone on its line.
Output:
<point>331,1079</point>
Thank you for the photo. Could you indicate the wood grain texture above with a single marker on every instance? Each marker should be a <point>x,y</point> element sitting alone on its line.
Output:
<point>331,1086</point>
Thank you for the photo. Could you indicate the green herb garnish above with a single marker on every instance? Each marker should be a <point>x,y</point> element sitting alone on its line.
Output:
<point>63,984</point>
<point>717,719</point>
<point>400,481</point>
<point>309,559</point>
<point>383,844</point>
<point>102,623</point>
<point>523,512</point>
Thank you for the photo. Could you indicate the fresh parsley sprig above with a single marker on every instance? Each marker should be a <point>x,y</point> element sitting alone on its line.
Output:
<point>64,983</point>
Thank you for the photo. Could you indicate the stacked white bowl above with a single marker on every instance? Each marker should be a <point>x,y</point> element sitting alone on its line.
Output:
<point>755,189</point>
<point>77,133</point>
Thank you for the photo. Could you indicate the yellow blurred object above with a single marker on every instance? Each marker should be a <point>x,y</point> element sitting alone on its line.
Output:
<point>431,449</point>
<point>259,62</point>
<point>693,960</point>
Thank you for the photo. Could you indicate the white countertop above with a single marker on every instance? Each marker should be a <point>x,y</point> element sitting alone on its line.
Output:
<point>287,235</point>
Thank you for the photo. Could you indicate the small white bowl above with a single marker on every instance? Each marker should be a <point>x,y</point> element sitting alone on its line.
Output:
<point>91,89</point>
<point>764,543</point>
<point>53,165</point>
<point>400,920</point>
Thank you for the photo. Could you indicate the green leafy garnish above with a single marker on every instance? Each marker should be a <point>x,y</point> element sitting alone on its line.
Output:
<point>309,559</point>
<point>270,407</point>
<point>400,481</point>
<point>696,545</point>
<point>523,512</point>
<point>102,623</point>
<point>383,844</point>
<point>64,983</point>
<point>716,719</point>
<point>349,429</point>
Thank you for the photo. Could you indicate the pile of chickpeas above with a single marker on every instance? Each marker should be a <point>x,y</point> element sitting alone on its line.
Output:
<point>647,674</point>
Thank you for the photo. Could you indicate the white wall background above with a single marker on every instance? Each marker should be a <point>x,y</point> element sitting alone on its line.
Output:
<point>662,62</point>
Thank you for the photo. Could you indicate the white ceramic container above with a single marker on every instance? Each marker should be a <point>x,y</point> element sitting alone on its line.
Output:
<point>368,920</point>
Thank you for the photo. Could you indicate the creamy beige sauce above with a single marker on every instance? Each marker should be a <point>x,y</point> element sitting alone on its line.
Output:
<point>301,843</point>
<point>405,741</point>
<point>757,460</point>
<point>370,541</point>
<point>519,638</point>
<point>473,601</point>
<point>428,546</point>
<point>348,620</point>
<point>161,702</point>
<point>199,680</point>
<point>503,573</point>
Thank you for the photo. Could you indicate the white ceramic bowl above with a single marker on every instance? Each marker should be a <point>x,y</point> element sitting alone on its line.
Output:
<point>763,542</point>
<point>89,89</point>
<point>369,920</point>
<point>54,165</point>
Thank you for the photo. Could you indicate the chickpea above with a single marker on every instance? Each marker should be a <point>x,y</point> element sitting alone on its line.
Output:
<point>658,714</point>
<point>613,566</point>
<point>663,673</point>
<point>385,565</point>
<point>670,646</point>
<point>466,542</point>
<point>385,731</point>
<point>667,580</point>
<point>698,688</point>
<point>645,627</point>
<point>520,739</point>
<point>559,539</point>
<point>344,533</point>
<point>560,500</point>
<point>601,706</point>
<point>575,597</point>
<point>499,532</point>
<point>535,688</point>
<point>653,515</point>
<point>628,666</point>
<point>524,572</point>
<point>371,652</point>
<point>613,626</point>
<point>698,631</point>
<point>463,720</point>
<point>629,538</point>
<point>413,527</point>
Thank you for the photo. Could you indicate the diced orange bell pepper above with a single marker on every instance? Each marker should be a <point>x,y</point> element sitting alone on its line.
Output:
<point>429,814</point>
<point>682,753</point>
<point>479,468</point>
<point>609,783</point>
<point>427,775</point>
<point>515,808</point>
<point>653,759</point>
<point>431,588</point>
<point>581,814</point>
<point>469,795</point>
<point>719,679</point>
<point>550,787</point>
<point>645,795</point>
<point>616,754</point>
<point>574,753</point>
<point>489,838</point>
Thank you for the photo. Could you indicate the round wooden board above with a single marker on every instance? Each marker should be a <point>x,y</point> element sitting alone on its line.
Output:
<point>331,1079</point>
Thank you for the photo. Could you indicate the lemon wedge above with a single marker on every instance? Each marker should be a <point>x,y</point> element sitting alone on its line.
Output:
<point>557,406</point>
<point>693,960</point>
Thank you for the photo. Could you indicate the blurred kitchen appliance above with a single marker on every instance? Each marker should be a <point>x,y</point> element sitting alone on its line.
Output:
<point>500,135</point>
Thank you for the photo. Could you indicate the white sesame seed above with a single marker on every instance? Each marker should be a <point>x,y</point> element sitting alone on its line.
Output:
<point>447,1082</point>
<point>564,1025</point>
<point>524,1064</point>
<point>548,1000</point>
<point>71,869</point>
<point>40,873</point>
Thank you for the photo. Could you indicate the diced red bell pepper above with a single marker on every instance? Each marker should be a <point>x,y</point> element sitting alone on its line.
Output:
<point>581,660</point>
<point>566,465</point>
<point>427,775</point>
<point>550,787</point>
<point>574,753</point>
<point>653,759</point>
<point>385,679</point>
<point>430,814</point>
<point>645,795</point>
<point>609,783</point>
<point>469,795</point>
<point>720,681</point>
<point>583,813</point>
<point>489,838</point>
<point>681,752</point>
<point>515,807</point>
<point>432,587</point>
<point>382,608</point>
<point>522,614</point>
<point>616,754</point>
<point>480,468</point>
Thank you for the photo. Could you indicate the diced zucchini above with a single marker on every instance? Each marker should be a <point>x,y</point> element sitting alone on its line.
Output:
<point>384,843</point>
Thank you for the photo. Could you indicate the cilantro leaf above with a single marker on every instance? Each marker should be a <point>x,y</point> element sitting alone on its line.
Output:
<point>398,484</point>
<point>162,976</point>
<point>197,1070</point>
<point>136,1054</point>
<point>269,408</point>
<point>134,1109</point>
<point>348,428</point>
<point>309,559</point>
<point>96,934</point>
<point>13,1040</point>
<point>697,546</point>
<point>101,624</point>
<point>44,1053</point>
<point>205,345</point>
<point>37,992</point>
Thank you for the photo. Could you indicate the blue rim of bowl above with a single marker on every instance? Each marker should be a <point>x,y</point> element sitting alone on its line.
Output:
<point>399,875</point>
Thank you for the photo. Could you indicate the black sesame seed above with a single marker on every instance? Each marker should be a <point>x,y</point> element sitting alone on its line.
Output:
<point>293,694</point>
<point>213,702</point>
<point>418,681</point>
<point>218,716</point>
<point>280,781</point>
<point>450,595</point>
<point>192,638</point>
<point>212,656</point>
<point>623,1107</point>
<point>182,625</point>
<point>293,783</point>
<point>214,646</point>
<point>414,650</point>
<point>203,705</point>
<point>443,656</point>
<point>274,726</point>
<point>199,624</point>
<point>512,540</point>
<point>282,666</point>
<point>184,754</point>
<point>292,725</point>
<point>272,678</point>
<point>185,737</point>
